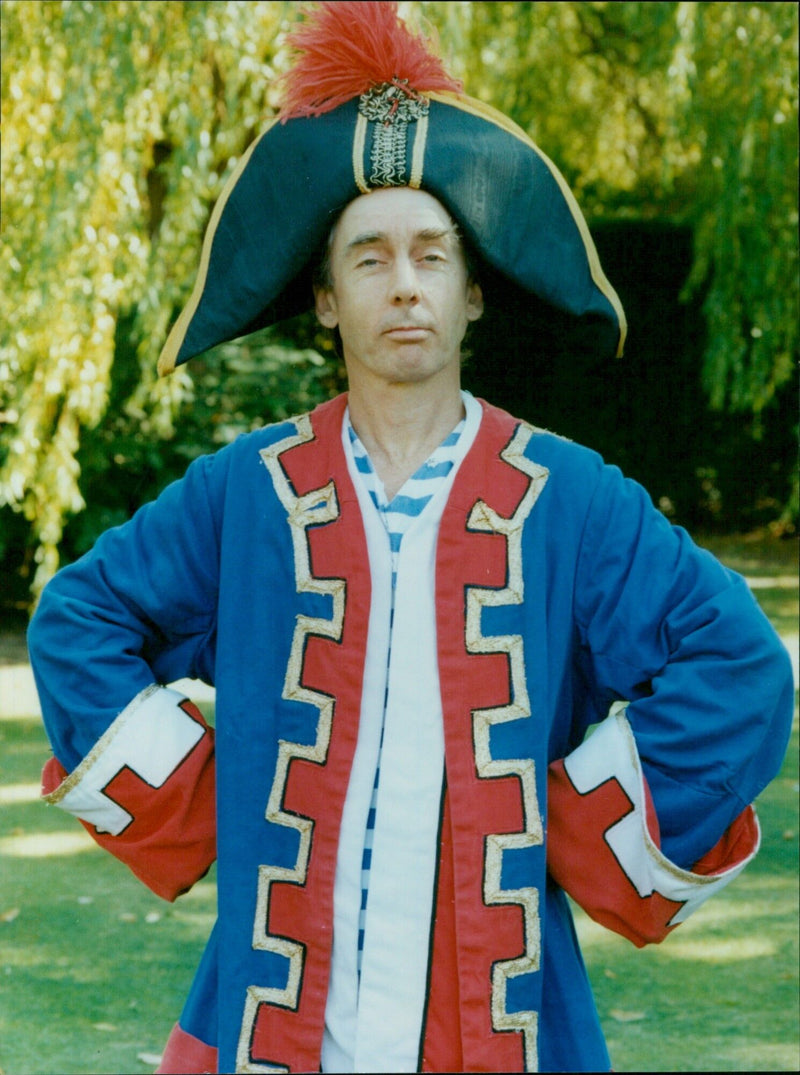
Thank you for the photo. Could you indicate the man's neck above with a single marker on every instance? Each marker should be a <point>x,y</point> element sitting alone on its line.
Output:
<point>402,425</point>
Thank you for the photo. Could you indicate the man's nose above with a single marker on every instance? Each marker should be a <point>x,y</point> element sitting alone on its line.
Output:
<point>405,284</point>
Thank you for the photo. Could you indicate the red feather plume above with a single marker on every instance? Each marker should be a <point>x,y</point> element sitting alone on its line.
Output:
<point>346,47</point>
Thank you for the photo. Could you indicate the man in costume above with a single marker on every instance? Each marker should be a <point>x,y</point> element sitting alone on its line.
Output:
<point>413,607</point>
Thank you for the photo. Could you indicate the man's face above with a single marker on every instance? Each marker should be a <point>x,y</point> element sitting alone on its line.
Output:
<point>399,292</point>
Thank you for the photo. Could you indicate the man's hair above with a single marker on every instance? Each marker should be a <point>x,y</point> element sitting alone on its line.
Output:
<point>322,275</point>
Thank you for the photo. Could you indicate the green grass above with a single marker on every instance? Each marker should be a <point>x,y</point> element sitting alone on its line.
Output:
<point>721,992</point>
<point>771,566</point>
<point>94,969</point>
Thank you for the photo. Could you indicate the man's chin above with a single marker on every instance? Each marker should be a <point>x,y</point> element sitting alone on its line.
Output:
<point>408,363</point>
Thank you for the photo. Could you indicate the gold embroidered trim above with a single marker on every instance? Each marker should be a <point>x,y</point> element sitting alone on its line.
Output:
<point>418,155</point>
<point>359,141</point>
<point>243,1062</point>
<point>311,509</point>
<point>486,519</point>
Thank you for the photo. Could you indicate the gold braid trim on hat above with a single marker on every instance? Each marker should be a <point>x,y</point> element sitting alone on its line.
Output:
<point>169,353</point>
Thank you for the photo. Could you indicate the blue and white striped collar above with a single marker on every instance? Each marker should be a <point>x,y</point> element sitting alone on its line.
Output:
<point>423,484</point>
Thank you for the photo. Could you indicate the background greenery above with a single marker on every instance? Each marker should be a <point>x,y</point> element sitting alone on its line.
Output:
<point>675,124</point>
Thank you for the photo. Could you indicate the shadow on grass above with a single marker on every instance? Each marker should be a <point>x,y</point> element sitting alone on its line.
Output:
<point>720,993</point>
<point>94,969</point>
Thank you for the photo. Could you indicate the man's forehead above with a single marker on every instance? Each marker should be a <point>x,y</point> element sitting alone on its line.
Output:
<point>392,211</point>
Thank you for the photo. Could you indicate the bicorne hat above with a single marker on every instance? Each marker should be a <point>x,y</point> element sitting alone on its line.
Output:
<point>368,105</point>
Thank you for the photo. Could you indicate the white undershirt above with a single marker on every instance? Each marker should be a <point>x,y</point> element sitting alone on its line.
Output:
<point>376,1026</point>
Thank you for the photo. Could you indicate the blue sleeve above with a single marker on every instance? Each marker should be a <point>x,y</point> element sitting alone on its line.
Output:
<point>663,624</point>
<point>139,608</point>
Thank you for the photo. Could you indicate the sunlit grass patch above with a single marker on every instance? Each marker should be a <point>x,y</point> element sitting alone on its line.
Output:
<point>94,969</point>
<point>47,844</point>
<point>720,993</point>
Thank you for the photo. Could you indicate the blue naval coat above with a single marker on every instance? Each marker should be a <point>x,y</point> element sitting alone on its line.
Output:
<point>559,588</point>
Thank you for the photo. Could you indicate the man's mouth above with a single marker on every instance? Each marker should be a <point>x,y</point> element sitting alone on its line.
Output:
<point>410,333</point>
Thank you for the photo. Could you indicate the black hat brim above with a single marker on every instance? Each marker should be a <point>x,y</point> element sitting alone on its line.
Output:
<point>512,204</point>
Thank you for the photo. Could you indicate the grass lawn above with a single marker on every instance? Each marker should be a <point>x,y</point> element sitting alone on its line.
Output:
<point>770,567</point>
<point>721,992</point>
<point>94,969</point>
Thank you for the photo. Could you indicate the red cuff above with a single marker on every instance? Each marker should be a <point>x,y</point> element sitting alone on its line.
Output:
<point>186,1055</point>
<point>581,861</point>
<point>735,844</point>
<point>170,841</point>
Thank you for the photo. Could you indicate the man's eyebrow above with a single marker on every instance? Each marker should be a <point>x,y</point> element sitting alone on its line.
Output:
<point>437,233</point>
<point>368,238</point>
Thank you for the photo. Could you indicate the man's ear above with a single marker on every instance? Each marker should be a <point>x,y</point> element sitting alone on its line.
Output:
<point>474,301</point>
<point>325,306</point>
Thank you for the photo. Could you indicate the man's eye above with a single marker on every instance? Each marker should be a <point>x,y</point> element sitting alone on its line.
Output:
<point>433,257</point>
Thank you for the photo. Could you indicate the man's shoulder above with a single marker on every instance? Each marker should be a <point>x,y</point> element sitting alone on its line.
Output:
<point>323,421</point>
<point>241,459</point>
<point>548,447</point>
<point>251,444</point>
<point>268,435</point>
<point>548,444</point>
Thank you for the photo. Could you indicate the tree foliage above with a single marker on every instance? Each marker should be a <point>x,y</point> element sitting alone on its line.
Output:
<point>684,112</point>
<point>122,119</point>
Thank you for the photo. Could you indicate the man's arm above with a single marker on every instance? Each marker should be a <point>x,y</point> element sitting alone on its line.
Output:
<point>133,760</point>
<point>652,813</point>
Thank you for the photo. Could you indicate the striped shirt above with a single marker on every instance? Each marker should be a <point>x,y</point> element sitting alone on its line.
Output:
<point>397,516</point>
